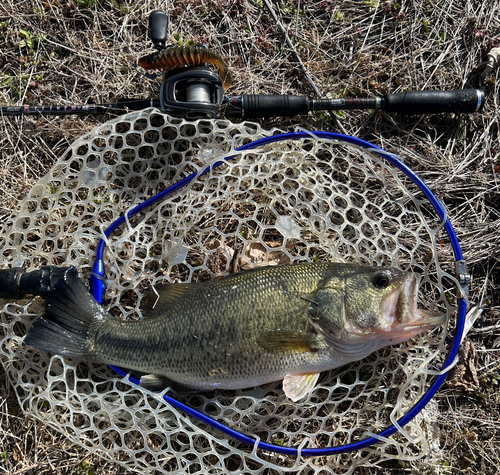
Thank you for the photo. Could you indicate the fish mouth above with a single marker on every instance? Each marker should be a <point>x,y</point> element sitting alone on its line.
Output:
<point>424,320</point>
<point>401,304</point>
<point>405,319</point>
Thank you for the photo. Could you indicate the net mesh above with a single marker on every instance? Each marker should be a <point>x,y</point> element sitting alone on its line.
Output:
<point>294,201</point>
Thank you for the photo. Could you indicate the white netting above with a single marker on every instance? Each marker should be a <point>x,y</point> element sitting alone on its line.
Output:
<point>287,202</point>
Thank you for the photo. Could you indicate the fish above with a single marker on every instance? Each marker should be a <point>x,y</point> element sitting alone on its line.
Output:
<point>247,329</point>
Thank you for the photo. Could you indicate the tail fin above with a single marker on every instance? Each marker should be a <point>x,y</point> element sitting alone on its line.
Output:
<point>70,312</point>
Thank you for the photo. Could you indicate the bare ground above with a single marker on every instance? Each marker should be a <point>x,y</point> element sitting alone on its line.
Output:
<point>78,51</point>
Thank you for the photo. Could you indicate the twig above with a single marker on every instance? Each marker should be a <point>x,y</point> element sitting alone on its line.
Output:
<point>482,331</point>
<point>292,47</point>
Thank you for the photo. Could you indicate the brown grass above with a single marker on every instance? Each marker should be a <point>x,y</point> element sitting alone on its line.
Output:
<point>77,51</point>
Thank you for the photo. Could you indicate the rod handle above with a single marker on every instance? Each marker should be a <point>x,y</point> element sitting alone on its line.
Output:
<point>256,106</point>
<point>434,102</point>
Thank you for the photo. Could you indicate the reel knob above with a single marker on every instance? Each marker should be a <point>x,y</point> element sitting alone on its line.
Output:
<point>158,26</point>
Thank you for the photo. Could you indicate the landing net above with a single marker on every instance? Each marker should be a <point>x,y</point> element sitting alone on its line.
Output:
<point>307,200</point>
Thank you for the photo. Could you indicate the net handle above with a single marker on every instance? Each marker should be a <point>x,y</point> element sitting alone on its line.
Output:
<point>98,289</point>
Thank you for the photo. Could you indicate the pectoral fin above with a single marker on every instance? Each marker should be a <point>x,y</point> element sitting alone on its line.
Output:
<point>297,386</point>
<point>288,341</point>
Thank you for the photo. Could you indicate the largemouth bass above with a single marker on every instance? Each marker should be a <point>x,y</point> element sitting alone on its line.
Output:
<point>273,323</point>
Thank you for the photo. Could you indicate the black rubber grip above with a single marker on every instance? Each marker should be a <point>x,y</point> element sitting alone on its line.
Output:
<point>434,102</point>
<point>15,283</point>
<point>9,283</point>
<point>258,105</point>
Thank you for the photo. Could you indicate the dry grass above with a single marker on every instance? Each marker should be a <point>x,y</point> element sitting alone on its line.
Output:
<point>75,51</point>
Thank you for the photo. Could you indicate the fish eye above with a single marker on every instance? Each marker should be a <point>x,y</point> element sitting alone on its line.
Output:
<point>381,280</point>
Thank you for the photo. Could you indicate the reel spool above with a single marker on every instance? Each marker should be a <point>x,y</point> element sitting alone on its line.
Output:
<point>285,202</point>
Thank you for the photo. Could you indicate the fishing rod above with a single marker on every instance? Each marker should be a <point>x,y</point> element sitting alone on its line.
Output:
<point>258,106</point>
<point>192,90</point>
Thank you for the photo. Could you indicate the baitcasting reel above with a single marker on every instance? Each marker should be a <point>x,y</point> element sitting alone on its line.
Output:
<point>190,89</point>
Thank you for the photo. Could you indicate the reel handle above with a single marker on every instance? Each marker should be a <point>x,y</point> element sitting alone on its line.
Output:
<point>158,28</point>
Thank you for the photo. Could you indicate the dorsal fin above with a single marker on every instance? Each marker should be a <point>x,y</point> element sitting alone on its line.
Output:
<point>163,295</point>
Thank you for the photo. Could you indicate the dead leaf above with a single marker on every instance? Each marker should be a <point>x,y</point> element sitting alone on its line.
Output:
<point>256,254</point>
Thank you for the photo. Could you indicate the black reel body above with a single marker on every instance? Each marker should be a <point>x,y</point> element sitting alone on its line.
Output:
<point>192,93</point>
